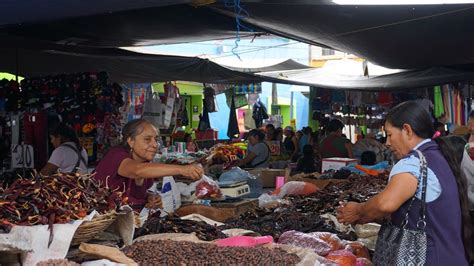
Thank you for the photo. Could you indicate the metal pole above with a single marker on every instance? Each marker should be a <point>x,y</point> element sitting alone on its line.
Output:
<point>291,105</point>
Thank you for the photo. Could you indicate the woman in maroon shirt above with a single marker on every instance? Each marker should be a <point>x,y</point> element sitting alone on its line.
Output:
<point>128,166</point>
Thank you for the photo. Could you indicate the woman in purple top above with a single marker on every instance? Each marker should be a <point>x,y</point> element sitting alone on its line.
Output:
<point>128,166</point>
<point>448,229</point>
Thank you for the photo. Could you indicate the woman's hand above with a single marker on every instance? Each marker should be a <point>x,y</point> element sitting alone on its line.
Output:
<point>193,171</point>
<point>349,213</point>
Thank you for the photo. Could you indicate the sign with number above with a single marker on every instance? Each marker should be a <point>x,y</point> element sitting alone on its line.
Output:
<point>275,148</point>
<point>22,156</point>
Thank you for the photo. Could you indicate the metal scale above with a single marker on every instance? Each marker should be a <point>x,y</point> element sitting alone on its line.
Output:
<point>234,189</point>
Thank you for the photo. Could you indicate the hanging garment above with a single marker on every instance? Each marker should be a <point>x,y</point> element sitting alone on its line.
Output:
<point>438,102</point>
<point>354,98</point>
<point>259,113</point>
<point>204,122</point>
<point>184,115</point>
<point>249,122</point>
<point>15,126</point>
<point>35,127</point>
<point>233,127</point>
<point>385,99</point>
<point>426,104</point>
<point>210,99</point>
<point>339,96</point>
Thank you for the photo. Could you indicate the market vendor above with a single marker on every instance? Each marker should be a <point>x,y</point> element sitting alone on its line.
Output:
<point>129,167</point>
<point>335,144</point>
<point>446,217</point>
<point>258,152</point>
<point>68,155</point>
<point>290,144</point>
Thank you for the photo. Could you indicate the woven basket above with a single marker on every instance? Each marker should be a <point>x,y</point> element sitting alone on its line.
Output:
<point>88,230</point>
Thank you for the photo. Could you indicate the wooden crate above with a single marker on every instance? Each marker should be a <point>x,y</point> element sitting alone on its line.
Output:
<point>235,209</point>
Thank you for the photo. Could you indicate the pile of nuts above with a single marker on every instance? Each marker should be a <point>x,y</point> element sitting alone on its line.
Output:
<point>168,252</point>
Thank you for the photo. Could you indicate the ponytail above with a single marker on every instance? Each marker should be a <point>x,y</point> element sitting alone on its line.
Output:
<point>455,164</point>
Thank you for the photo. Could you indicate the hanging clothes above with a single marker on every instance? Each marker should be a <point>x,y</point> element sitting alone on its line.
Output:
<point>184,114</point>
<point>233,127</point>
<point>438,102</point>
<point>204,122</point>
<point>259,113</point>
<point>210,99</point>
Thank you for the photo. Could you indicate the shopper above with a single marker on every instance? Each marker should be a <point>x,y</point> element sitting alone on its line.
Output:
<point>369,143</point>
<point>305,139</point>
<point>306,164</point>
<point>290,144</point>
<point>68,155</point>
<point>191,145</point>
<point>128,166</point>
<point>467,164</point>
<point>334,144</point>
<point>258,152</point>
<point>270,132</point>
<point>448,228</point>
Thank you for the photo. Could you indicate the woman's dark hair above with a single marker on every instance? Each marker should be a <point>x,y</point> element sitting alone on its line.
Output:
<point>132,129</point>
<point>419,119</point>
<point>457,144</point>
<point>257,133</point>
<point>368,158</point>
<point>334,125</point>
<point>413,114</point>
<point>66,133</point>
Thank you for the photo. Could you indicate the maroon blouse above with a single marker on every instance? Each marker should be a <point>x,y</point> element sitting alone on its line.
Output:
<point>109,166</point>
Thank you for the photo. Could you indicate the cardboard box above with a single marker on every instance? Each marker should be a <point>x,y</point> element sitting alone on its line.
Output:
<point>336,163</point>
<point>268,176</point>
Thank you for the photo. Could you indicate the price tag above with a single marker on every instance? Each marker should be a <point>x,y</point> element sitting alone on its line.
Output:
<point>275,148</point>
<point>22,156</point>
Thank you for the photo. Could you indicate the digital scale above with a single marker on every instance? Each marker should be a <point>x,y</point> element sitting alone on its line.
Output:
<point>234,189</point>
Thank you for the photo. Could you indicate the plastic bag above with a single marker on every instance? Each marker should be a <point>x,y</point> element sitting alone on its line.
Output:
<point>170,195</point>
<point>363,262</point>
<point>303,240</point>
<point>296,188</point>
<point>208,188</point>
<point>331,239</point>
<point>236,174</point>
<point>358,249</point>
<point>342,257</point>
<point>268,201</point>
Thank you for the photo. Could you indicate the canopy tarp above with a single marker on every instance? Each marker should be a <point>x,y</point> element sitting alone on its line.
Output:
<point>122,66</point>
<point>396,81</point>
<point>396,36</point>
<point>147,26</point>
<point>288,64</point>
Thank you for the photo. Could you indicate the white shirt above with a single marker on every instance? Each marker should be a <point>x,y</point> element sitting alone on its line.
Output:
<point>65,159</point>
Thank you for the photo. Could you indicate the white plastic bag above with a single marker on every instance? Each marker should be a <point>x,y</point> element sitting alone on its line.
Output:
<point>153,109</point>
<point>170,195</point>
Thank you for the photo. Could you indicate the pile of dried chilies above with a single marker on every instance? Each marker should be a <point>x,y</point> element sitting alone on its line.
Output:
<point>58,198</point>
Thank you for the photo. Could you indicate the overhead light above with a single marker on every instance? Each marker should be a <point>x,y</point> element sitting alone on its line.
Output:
<point>401,2</point>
